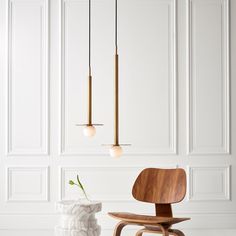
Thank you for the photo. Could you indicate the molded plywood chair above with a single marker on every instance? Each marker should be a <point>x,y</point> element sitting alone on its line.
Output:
<point>161,187</point>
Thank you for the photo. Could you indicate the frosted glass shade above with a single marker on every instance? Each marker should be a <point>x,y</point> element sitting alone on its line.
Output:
<point>116,151</point>
<point>89,131</point>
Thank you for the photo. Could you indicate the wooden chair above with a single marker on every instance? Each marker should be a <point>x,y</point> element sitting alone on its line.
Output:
<point>161,187</point>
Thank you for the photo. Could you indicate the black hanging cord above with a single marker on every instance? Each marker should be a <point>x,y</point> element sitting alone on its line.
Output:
<point>89,34</point>
<point>116,44</point>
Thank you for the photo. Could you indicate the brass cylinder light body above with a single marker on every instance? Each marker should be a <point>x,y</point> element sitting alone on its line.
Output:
<point>89,129</point>
<point>116,149</point>
<point>89,100</point>
<point>116,136</point>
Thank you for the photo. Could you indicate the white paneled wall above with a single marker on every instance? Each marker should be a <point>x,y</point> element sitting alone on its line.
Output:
<point>208,82</point>
<point>27,184</point>
<point>208,191</point>
<point>27,110</point>
<point>177,108</point>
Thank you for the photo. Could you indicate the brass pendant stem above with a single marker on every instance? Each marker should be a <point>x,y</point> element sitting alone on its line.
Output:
<point>116,138</point>
<point>90,99</point>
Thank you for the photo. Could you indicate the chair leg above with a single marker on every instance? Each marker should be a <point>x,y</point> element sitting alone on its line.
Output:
<point>166,232</point>
<point>145,230</point>
<point>119,227</point>
<point>160,230</point>
<point>140,232</point>
<point>176,232</point>
<point>155,230</point>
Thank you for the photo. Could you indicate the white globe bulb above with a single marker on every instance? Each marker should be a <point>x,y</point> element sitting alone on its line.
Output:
<point>116,151</point>
<point>89,131</point>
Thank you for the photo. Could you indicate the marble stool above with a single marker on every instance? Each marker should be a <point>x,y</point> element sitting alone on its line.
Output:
<point>78,218</point>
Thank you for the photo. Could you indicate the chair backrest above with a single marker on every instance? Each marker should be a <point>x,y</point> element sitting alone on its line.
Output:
<point>160,186</point>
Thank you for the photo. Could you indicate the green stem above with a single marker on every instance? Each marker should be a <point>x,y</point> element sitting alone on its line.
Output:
<point>83,192</point>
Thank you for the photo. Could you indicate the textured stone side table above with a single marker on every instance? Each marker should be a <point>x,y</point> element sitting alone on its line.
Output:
<point>77,218</point>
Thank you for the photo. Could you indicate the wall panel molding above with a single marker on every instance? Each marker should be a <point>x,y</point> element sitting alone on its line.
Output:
<point>28,78</point>
<point>68,192</point>
<point>100,173</point>
<point>27,184</point>
<point>208,99</point>
<point>209,183</point>
<point>67,148</point>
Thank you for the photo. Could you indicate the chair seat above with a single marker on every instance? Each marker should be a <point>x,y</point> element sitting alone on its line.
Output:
<point>145,219</point>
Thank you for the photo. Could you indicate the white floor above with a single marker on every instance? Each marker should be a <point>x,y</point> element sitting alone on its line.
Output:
<point>126,232</point>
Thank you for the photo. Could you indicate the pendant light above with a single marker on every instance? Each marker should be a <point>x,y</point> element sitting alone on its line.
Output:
<point>116,149</point>
<point>89,128</point>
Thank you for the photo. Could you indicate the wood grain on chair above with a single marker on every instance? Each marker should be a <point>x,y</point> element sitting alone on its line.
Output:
<point>161,187</point>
